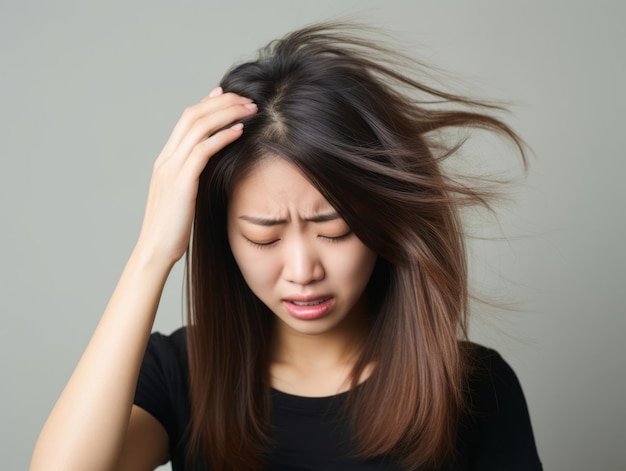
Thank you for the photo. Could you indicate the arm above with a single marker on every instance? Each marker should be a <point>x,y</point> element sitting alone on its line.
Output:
<point>91,421</point>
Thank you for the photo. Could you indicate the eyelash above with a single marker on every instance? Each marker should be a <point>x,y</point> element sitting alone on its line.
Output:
<point>337,238</point>
<point>333,240</point>
<point>263,245</point>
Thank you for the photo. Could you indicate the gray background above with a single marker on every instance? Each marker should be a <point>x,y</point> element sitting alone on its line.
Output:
<point>89,92</point>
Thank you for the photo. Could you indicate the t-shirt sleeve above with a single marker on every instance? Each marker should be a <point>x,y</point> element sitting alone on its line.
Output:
<point>498,420</point>
<point>162,383</point>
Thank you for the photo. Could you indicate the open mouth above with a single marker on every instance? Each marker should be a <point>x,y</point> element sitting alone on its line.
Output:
<point>309,310</point>
<point>310,303</point>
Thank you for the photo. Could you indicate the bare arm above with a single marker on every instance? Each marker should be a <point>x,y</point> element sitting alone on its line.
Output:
<point>89,425</point>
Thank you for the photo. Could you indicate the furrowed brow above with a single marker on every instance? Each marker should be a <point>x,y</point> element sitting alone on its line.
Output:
<point>261,221</point>
<point>324,217</point>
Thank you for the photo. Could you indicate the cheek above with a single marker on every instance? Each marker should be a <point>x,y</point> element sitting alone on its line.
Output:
<point>356,265</point>
<point>256,268</point>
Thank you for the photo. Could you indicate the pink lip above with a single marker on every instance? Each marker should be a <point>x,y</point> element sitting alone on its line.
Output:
<point>309,312</point>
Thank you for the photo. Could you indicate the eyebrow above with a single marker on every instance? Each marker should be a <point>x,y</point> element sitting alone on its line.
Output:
<point>262,221</point>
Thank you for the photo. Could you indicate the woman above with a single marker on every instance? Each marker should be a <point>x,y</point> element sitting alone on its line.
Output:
<point>327,286</point>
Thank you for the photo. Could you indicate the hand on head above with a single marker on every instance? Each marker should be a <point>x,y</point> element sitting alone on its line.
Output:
<point>202,131</point>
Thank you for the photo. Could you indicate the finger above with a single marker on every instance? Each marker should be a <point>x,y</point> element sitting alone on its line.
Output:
<point>217,91</point>
<point>203,151</point>
<point>209,125</point>
<point>198,111</point>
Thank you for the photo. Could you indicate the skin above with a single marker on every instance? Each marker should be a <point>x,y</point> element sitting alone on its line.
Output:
<point>290,244</point>
<point>94,425</point>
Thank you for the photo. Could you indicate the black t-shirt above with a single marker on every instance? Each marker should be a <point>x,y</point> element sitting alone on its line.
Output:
<point>309,434</point>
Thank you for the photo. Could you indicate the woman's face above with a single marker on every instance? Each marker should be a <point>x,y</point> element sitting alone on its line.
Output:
<point>294,251</point>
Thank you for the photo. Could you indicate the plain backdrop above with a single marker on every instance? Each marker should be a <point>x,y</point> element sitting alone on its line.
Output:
<point>89,92</point>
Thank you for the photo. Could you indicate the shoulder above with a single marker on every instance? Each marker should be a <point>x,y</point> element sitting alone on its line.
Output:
<point>162,386</point>
<point>496,431</point>
<point>172,344</point>
<point>489,375</point>
<point>165,366</point>
<point>166,356</point>
<point>165,359</point>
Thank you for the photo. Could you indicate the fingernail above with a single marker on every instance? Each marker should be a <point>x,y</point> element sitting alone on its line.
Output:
<point>237,127</point>
<point>250,106</point>
<point>215,92</point>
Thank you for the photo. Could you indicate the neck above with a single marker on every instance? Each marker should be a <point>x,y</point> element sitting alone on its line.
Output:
<point>317,365</point>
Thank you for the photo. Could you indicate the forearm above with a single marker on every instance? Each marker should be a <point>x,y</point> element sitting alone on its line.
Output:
<point>86,428</point>
<point>88,425</point>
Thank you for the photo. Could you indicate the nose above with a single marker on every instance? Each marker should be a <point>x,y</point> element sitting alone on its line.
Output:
<point>302,263</point>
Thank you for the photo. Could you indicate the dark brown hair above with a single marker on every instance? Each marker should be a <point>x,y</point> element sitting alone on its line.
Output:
<point>340,109</point>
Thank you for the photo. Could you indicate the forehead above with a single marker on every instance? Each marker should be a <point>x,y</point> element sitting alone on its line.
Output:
<point>275,186</point>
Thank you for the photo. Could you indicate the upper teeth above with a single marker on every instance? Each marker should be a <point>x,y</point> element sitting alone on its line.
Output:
<point>308,303</point>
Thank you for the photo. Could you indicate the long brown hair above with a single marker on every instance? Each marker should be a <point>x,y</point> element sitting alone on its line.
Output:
<point>363,132</point>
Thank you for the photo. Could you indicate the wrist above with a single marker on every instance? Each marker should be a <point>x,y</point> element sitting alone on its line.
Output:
<point>144,257</point>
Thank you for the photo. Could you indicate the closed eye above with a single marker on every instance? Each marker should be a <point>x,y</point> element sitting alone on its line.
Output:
<point>262,245</point>
<point>336,238</point>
